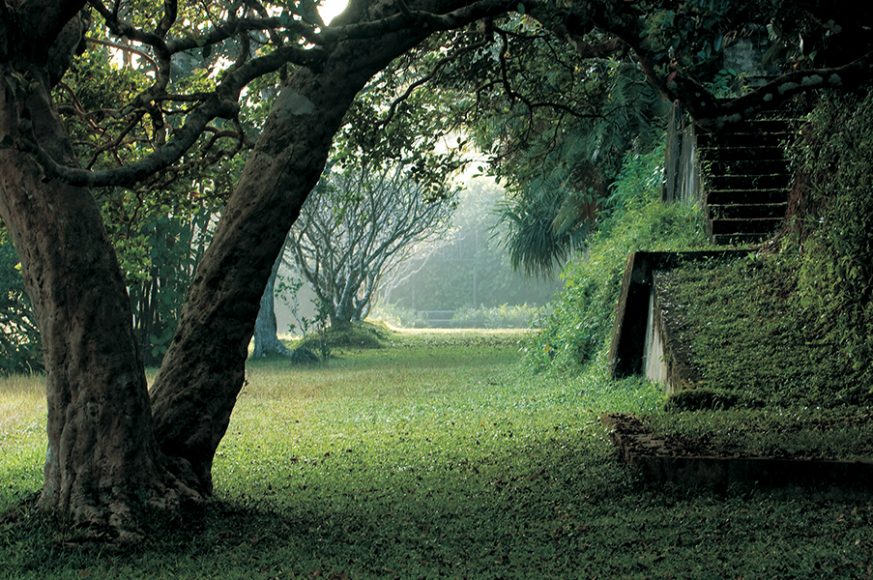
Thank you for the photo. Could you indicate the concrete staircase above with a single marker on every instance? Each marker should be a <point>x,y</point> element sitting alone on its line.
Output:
<point>745,178</point>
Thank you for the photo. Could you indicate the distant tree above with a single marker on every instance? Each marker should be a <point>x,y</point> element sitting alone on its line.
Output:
<point>361,222</point>
<point>266,334</point>
<point>468,268</point>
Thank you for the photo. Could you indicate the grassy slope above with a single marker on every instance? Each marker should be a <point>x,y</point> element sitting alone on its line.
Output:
<point>749,344</point>
<point>438,456</point>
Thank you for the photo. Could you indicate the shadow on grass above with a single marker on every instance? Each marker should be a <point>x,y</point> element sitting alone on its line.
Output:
<point>561,507</point>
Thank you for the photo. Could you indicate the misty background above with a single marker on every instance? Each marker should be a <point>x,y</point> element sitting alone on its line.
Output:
<point>461,278</point>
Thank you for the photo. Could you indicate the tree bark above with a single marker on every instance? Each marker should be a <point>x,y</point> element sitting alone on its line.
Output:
<point>266,333</point>
<point>102,462</point>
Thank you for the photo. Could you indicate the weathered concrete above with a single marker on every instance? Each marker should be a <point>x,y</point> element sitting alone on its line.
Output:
<point>682,174</point>
<point>656,363</point>
<point>637,306</point>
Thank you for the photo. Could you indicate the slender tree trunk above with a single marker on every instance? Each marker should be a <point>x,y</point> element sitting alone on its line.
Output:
<point>266,333</point>
<point>102,462</point>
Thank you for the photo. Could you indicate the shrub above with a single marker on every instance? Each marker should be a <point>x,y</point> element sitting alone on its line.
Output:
<point>366,335</point>
<point>398,316</point>
<point>503,316</point>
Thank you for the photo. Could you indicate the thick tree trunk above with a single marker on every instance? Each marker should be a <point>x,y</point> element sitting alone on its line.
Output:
<point>266,332</point>
<point>343,316</point>
<point>203,370</point>
<point>102,463</point>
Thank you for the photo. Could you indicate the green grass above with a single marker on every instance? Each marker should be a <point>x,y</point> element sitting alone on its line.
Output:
<point>798,432</point>
<point>438,456</point>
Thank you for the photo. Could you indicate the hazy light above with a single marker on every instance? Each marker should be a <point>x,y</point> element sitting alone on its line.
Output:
<point>329,9</point>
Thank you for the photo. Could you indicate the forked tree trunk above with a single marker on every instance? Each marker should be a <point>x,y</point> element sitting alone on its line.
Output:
<point>102,463</point>
<point>110,454</point>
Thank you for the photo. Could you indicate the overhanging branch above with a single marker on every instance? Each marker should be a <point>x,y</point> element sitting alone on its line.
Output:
<point>133,173</point>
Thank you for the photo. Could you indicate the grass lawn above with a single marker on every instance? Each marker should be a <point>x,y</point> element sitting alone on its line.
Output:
<point>438,456</point>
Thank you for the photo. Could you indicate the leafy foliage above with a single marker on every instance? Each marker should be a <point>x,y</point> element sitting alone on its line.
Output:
<point>835,230</point>
<point>502,316</point>
<point>160,228</point>
<point>557,140</point>
<point>583,314</point>
<point>19,335</point>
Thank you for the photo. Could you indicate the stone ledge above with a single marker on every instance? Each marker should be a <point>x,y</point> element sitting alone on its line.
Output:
<point>658,463</point>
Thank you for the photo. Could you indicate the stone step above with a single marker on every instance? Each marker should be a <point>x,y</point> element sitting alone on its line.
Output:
<point>741,196</point>
<point>745,167</point>
<point>739,239</point>
<point>747,211</point>
<point>745,181</point>
<point>748,138</point>
<point>744,226</point>
<point>741,153</point>
<point>766,125</point>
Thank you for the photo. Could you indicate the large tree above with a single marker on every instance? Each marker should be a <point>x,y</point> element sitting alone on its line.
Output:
<point>115,448</point>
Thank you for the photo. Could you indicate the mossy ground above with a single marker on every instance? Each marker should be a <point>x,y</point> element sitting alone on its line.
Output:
<point>437,456</point>
<point>743,332</point>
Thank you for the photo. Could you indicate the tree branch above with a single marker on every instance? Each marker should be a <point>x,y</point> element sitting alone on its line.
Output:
<point>125,48</point>
<point>131,174</point>
<point>418,83</point>
<point>430,21</point>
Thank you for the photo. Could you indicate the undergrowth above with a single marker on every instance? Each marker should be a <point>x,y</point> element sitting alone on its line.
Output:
<point>583,313</point>
<point>832,235</point>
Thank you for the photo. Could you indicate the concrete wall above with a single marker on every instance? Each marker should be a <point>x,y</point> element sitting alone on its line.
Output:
<point>681,164</point>
<point>655,368</point>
